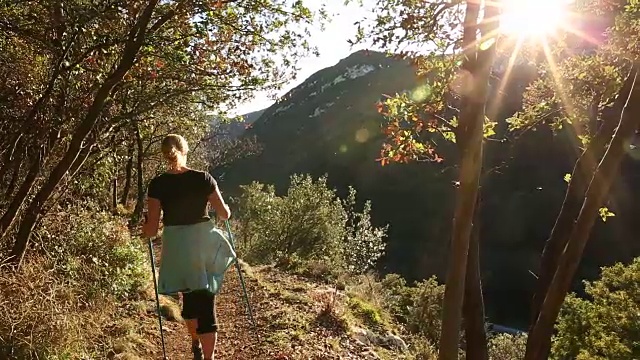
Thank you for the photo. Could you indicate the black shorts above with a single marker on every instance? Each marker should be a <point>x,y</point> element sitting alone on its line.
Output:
<point>200,305</point>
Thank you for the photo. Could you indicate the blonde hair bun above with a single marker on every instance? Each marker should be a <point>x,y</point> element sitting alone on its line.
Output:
<point>174,148</point>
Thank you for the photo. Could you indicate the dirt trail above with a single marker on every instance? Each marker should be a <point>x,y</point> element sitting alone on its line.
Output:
<point>236,337</point>
<point>289,323</point>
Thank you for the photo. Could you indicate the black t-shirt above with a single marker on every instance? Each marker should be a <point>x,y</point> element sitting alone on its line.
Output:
<point>183,196</point>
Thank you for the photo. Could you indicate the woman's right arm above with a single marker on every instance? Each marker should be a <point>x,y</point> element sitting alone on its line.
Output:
<point>217,203</point>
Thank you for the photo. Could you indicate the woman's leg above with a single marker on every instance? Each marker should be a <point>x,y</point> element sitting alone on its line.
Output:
<point>190,306</point>
<point>192,325</point>
<point>207,323</point>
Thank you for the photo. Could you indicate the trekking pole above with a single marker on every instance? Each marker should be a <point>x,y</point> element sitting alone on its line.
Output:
<point>244,288</point>
<point>155,286</point>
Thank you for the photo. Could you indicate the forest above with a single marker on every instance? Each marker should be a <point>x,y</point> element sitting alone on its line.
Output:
<point>91,88</point>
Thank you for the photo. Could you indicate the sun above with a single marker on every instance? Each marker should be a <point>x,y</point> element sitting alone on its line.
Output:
<point>533,18</point>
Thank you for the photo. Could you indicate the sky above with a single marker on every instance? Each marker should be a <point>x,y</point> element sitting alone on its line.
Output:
<point>332,45</point>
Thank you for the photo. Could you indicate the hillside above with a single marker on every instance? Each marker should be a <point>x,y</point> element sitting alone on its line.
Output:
<point>233,129</point>
<point>299,316</point>
<point>236,128</point>
<point>332,106</point>
<point>329,124</point>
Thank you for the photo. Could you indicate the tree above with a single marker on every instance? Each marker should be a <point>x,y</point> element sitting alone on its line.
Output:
<point>107,65</point>
<point>591,99</point>
<point>477,63</point>
<point>467,45</point>
<point>539,341</point>
<point>580,92</point>
<point>473,305</point>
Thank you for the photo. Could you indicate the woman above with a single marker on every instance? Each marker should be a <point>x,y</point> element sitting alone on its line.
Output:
<point>192,261</point>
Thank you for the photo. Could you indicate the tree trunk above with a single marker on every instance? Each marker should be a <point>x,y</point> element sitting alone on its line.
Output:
<point>114,181</point>
<point>136,37</point>
<point>128,172</point>
<point>139,208</point>
<point>576,189</point>
<point>19,198</point>
<point>539,341</point>
<point>473,308</point>
<point>37,160</point>
<point>469,137</point>
<point>15,173</point>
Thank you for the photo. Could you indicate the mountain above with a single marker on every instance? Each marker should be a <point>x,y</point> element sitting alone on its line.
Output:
<point>233,129</point>
<point>332,106</point>
<point>329,124</point>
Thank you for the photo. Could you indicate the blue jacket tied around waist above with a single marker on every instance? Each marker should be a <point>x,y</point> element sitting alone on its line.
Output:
<point>194,257</point>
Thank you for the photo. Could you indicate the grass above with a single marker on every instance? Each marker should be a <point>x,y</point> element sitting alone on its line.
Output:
<point>368,314</point>
<point>288,326</point>
<point>170,309</point>
<point>300,316</point>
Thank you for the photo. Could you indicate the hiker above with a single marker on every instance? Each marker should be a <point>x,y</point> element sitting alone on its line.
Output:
<point>190,241</point>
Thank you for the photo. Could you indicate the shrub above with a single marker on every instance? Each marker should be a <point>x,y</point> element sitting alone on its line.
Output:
<point>364,243</point>
<point>61,302</point>
<point>96,253</point>
<point>425,311</point>
<point>606,326</point>
<point>399,298</point>
<point>507,347</point>
<point>311,223</point>
<point>306,222</point>
<point>417,307</point>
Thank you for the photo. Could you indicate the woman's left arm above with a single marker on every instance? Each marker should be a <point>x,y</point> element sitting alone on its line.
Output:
<point>152,222</point>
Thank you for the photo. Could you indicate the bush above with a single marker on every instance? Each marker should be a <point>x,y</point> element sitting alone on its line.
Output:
<point>311,223</point>
<point>97,253</point>
<point>399,298</point>
<point>62,300</point>
<point>507,347</point>
<point>417,307</point>
<point>307,222</point>
<point>425,311</point>
<point>607,326</point>
<point>364,244</point>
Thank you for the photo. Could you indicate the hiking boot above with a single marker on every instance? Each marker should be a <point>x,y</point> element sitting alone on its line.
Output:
<point>197,350</point>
